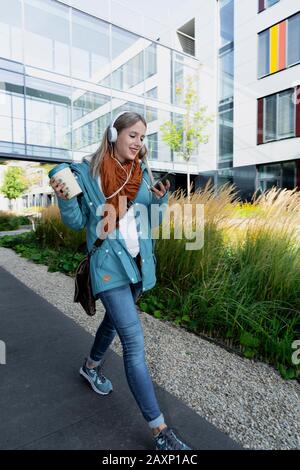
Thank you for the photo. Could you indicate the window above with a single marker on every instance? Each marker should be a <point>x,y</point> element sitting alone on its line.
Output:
<point>277,116</point>
<point>47,46</point>
<point>152,146</point>
<point>150,61</point>
<point>151,114</point>
<point>129,72</point>
<point>11,30</point>
<point>272,49</point>
<point>270,3</point>
<point>48,113</point>
<point>288,175</point>
<point>133,71</point>
<point>226,135</point>
<point>12,116</point>
<point>280,175</point>
<point>286,114</point>
<point>90,46</point>
<point>151,93</point>
<point>263,4</point>
<point>264,53</point>
<point>269,176</point>
<point>226,21</point>
<point>226,76</point>
<point>279,46</point>
<point>270,118</point>
<point>293,40</point>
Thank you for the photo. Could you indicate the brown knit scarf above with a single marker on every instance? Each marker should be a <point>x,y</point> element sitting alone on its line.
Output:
<point>112,177</point>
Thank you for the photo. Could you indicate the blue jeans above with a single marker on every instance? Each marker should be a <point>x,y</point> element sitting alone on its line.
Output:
<point>122,317</point>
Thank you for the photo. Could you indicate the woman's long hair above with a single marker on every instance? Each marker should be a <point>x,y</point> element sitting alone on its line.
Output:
<point>124,121</point>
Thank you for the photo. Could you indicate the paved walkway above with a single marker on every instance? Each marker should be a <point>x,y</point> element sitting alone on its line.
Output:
<point>45,404</point>
<point>26,228</point>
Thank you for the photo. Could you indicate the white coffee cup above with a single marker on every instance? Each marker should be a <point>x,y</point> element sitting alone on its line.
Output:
<point>63,172</point>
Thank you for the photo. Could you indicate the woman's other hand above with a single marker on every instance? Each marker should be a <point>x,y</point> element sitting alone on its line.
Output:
<point>162,191</point>
<point>61,190</point>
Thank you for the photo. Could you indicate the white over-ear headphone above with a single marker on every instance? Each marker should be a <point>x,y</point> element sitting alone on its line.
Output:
<point>112,134</point>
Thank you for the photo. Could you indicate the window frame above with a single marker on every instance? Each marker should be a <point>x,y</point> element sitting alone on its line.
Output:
<point>265,141</point>
<point>277,115</point>
<point>266,6</point>
<point>287,66</point>
<point>258,52</point>
<point>277,139</point>
<point>270,6</point>
<point>287,41</point>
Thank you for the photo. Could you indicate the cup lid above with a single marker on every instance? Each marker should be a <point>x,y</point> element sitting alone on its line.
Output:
<point>57,168</point>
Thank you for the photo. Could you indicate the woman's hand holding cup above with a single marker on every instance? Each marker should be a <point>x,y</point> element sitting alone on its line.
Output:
<point>60,188</point>
<point>64,182</point>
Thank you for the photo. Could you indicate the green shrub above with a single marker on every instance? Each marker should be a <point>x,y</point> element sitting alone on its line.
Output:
<point>241,289</point>
<point>8,221</point>
<point>23,220</point>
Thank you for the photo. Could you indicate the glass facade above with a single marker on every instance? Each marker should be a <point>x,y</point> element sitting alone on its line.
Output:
<point>11,38</point>
<point>226,91</point>
<point>226,21</point>
<point>89,47</point>
<point>226,72</point>
<point>279,175</point>
<point>226,134</point>
<point>65,74</point>
<point>12,117</point>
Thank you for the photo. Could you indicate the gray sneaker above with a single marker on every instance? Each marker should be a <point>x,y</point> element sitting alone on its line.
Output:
<point>99,383</point>
<point>167,440</point>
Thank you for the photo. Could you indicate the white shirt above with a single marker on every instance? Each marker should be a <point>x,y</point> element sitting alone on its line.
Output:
<point>127,227</point>
<point>128,230</point>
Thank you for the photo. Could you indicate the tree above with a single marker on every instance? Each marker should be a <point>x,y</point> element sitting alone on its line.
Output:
<point>15,183</point>
<point>185,135</point>
<point>47,166</point>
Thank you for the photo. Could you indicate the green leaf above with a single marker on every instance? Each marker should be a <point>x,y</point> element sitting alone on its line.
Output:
<point>157,313</point>
<point>143,306</point>
<point>185,318</point>
<point>246,339</point>
<point>229,334</point>
<point>249,353</point>
<point>66,267</point>
<point>286,373</point>
<point>36,256</point>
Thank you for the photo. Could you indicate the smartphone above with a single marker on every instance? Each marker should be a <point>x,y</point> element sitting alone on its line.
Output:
<point>162,180</point>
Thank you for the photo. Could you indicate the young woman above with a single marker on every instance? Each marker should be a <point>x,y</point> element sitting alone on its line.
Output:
<point>124,265</point>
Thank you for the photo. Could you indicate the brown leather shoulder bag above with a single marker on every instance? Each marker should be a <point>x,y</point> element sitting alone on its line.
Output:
<point>83,287</point>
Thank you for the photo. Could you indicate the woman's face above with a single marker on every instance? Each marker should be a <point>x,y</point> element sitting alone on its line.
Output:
<point>130,141</point>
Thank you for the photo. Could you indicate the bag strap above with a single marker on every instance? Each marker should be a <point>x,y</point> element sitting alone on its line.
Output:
<point>96,245</point>
<point>99,241</point>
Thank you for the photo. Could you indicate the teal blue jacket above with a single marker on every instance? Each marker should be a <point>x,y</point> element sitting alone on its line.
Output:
<point>112,265</point>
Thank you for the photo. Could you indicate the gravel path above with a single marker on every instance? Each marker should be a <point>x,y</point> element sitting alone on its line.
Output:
<point>247,400</point>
